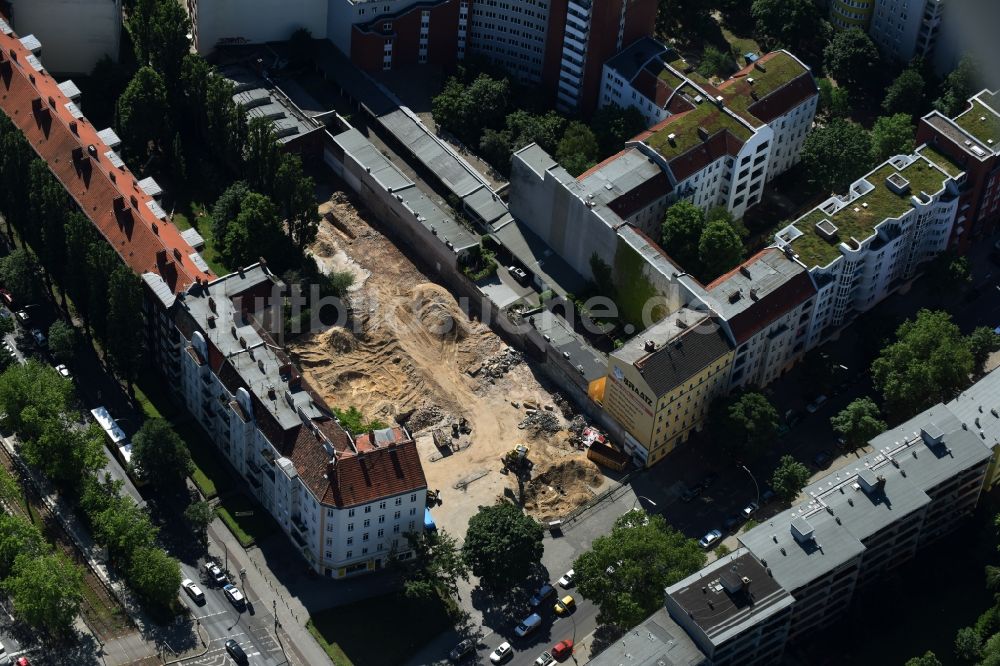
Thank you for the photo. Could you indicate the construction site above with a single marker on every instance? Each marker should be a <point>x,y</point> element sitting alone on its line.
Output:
<point>410,354</point>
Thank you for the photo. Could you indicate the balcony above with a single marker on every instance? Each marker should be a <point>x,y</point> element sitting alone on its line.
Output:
<point>299,524</point>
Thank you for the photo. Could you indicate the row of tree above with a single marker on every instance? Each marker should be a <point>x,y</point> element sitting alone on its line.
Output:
<point>704,244</point>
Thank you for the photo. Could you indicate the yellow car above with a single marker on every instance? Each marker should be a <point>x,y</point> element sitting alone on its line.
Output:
<point>565,605</point>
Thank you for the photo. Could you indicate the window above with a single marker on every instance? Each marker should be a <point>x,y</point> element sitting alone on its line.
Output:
<point>364,537</point>
<point>413,497</point>
<point>350,541</point>
<point>329,541</point>
<point>399,500</point>
<point>364,551</point>
<point>350,527</point>
<point>395,529</point>
<point>329,513</point>
<point>381,505</point>
<point>349,554</point>
<point>350,513</point>
<point>387,26</point>
<point>381,519</point>
<point>381,533</point>
<point>413,512</point>
<point>368,509</point>
<point>396,515</point>
<point>329,555</point>
<point>412,525</point>
<point>368,522</point>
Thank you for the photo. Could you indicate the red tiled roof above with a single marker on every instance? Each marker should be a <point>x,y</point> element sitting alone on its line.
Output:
<point>109,196</point>
<point>778,102</point>
<point>699,157</point>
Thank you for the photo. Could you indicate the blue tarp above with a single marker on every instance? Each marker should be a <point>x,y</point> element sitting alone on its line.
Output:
<point>429,521</point>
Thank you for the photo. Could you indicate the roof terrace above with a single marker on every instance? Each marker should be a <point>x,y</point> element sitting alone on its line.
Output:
<point>684,127</point>
<point>981,122</point>
<point>873,202</point>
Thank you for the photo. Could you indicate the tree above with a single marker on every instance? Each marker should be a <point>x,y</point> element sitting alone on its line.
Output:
<point>261,155</point>
<point>140,114</point>
<point>199,516</point>
<point>254,228</point>
<point>154,575</point>
<point>436,567</point>
<point>296,194</point>
<point>613,126</point>
<point>983,341</point>
<point>501,544</point>
<point>892,135</point>
<point>104,86</point>
<point>968,644</point>
<point>927,659</point>
<point>495,148</point>
<point>722,213</point>
<point>18,537</point>
<point>140,27</point>
<point>743,424</point>
<point>719,249</point>
<point>226,209</point>
<point>859,422</point>
<point>929,361</point>
<point>716,63</point>
<point>19,274</point>
<point>300,46</point>
<point>836,154</point>
<point>681,232</point>
<point>850,58</point>
<point>49,204</point>
<point>785,23</point>
<point>62,341</point>
<point>33,393</point>
<point>905,94</point>
<point>962,83</point>
<point>124,319</point>
<point>646,556</point>
<point>169,43</point>
<point>466,111</point>
<point>160,456</point>
<point>524,128</point>
<point>577,150</point>
<point>102,262</point>
<point>355,422</point>
<point>789,478</point>
<point>61,448</point>
<point>47,591</point>
<point>449,109</point>
<point>80,235</point>
<point>120,525</point>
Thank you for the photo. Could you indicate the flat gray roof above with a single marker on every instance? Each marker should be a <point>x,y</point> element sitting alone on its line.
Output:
<point>535,255</point>
<point>590,363</point>
<point>486,205</point>
<point>659,641</point>
<point>753,282</point>
<point>261,99</point>
<point>979,408</point>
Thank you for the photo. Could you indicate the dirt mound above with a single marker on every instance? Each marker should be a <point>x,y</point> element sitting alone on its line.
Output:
<point>436,311</point>
<point>561,488</point>
<point>338,339</point>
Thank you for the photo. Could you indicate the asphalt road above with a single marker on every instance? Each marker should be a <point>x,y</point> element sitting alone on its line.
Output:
<point>252,627</point>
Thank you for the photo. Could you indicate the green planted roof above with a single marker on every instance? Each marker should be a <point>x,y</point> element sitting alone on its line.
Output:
<point>945,163</point>
<point>883,204</point>
<point>780,68</point>
<point>982,123</point>
<point>685,128</point>
<point>668,77</point>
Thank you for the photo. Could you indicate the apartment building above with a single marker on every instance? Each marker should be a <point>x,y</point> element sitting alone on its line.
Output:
<point>861,246</point>
<point>662,381</point>
<point>345,503</point>
<point>720,144</point>
<point>847,14</point>
<point>799,571</point>
<point>421,33</point>
<point>76,33</point>
<point>968,147</point>
<point>235,22</point>
<point>904,29</point>
<point>764,306</point>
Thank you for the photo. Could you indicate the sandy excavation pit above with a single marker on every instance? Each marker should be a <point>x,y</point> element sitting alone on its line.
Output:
<point>408,355</point>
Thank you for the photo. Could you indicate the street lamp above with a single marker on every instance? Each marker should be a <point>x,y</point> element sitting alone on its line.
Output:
<point>756,487</point>
<point>641,497</point>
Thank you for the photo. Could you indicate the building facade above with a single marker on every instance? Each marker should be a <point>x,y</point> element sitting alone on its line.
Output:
<point>661,382</point>
<point>904,29</point>
<point>421,33</point>
<point>234,22</point>
<point>76,33</point>
<point>847,14</point>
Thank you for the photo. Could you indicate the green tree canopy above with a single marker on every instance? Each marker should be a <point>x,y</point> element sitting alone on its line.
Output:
<point>169,42</point>
<point>646,556</point>
<point>968,644</point>
<point>743,424</point>
<point>836,154</point>
<point>613,126</point>
<point>33,393</point>
<point>119,524</point>
<point>199,516</point>
<point>255,227</point>
<point>19,272</point>
<point>983,341</point>
<point>929,361</point>
<point>61,448</point>
<point>47,591</point>
<point>905,94</point>
<point>155,576</point>
<point>18,537</point>
<point>859,422</point>
<point>577,150</point>
<point>62,341</point>
<point>961,84</point>
<point>124,298</point>
<point>785,23</point>
<point>141,114</point>
<point>716,63</point>
<point>436,567</point>
<point>681,233</point>
<point>927,659</point>
<point>892,135</point>
<point>719,249</point>
<point>160,456</point>
<point>261,155</point>
<point>466,111</point>
<point>226,209</point>
<point>789,478</point>
<point>850,58</point>
<point>502,544</point>
<point>296,194</point>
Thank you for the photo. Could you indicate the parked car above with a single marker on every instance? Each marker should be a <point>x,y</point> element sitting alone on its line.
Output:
<point>23,661</point>
<point>236,652</point>
<point>234,595</point>
<point>23,316</point>
<point>710,539</point>
<point>503,652</point>
<point>193,590</point>
<point>215,573</point>
<point>39,337</point>
<point>562,649</point>
<point>565,605</point>
<point>462,650</point>
<point>813,406</point>
<point>691,493</point>
<point>750,509</point>
<point>7,298</point>
<point>544,659</point>
<point>822,459</point>
<point>541,595</point>
<point>64,371</point>
<point>528,625</point>
<point>518,273</point>
<point>568,579</point>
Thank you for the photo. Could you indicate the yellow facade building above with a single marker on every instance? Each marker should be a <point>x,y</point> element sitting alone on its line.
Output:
<point>660,384</point>
<point>847,14</point>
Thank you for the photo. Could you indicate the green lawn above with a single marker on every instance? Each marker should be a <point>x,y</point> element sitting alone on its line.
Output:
<point>201,220</point>
<point>247,529</point>
<point>350,635</point>
<point>740,45</point>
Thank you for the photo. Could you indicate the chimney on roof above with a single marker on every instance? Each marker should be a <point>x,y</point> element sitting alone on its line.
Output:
<point>161,257</point>
<point>703,134</point>
<point>753,294</point>
<point>211,304</point>
<point>211,321</point>
<point>649,346</point>
<point>744,271</point>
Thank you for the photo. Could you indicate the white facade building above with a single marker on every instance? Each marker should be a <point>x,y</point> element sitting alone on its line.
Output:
<point>511,34</point>
<point>903,29</point>
<point>76,33</point>
<point>222,22</point>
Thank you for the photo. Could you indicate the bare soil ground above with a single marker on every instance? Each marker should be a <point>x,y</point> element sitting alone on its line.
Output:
<point>412,355</point>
